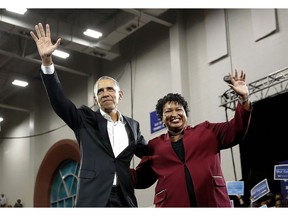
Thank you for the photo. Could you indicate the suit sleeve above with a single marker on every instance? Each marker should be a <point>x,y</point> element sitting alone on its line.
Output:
<point>143,176</point>
<point>141,145</point>
<point>63,107</point>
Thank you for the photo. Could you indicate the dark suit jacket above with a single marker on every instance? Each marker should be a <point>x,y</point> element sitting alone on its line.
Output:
<point>98,163</point>
<point>202,145</point>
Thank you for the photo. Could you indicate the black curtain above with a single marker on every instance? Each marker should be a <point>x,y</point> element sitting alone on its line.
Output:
<point>266,143</point>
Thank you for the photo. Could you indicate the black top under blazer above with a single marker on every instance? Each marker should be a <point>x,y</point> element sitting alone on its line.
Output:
<point>98,163</point>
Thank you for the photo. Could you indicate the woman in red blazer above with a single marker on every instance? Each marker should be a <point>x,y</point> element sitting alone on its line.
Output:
<point>186,160</point>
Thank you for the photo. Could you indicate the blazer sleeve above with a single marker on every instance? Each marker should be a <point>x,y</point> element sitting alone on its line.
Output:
<point>232,132</point>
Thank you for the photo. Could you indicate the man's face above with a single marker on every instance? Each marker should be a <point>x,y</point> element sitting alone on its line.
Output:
<point>107,95</point>
<point>174,116</point>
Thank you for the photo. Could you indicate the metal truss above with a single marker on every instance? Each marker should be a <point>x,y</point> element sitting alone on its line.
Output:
<point>269,86</point>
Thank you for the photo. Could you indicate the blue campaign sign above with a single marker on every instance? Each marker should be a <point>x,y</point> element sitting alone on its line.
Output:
<point>155,123</point>
<point>259,190</point>
<point>284,183</point>
<point>235,187</point>
<point>281,172</point>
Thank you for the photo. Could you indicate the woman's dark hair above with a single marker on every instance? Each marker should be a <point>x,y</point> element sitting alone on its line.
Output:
<point>171,97</point>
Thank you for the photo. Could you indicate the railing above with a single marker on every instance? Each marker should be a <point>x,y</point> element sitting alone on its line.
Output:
<point>269,86</point>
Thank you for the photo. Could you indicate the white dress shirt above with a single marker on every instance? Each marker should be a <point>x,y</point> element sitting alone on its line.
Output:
<point>117,134</point>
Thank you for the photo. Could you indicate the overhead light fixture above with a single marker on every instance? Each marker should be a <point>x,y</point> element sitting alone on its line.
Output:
<point>226,78</point>
<point>21,11</point>
<point>1,119</point>
<point>92,33</point>
<point>20,83</point>
<point>61,54</point>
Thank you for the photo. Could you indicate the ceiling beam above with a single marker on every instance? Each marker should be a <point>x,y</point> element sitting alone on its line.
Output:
<point>14,108</point>
<point>147,17</point>
<point>37,61</point>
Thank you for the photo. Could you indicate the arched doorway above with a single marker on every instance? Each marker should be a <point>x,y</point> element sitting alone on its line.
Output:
<point>55,159</point>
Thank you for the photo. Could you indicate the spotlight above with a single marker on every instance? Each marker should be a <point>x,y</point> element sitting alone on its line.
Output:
<point>227,79</point>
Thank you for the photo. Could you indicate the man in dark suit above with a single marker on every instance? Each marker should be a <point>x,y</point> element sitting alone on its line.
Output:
<point>107,139</point>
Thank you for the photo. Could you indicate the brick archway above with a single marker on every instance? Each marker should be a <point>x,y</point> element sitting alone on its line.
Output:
<point>63,150</point>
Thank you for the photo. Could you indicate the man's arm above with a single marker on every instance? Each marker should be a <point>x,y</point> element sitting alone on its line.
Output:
<point>64,108</point>
<point>143,176</point>
<point>141,145</point>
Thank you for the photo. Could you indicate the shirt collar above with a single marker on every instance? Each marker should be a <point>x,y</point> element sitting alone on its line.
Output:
<point>108,117</point>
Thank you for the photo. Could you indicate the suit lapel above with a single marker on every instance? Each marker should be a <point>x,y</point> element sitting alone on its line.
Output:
<point>102,124</point>
<point>131,131</point>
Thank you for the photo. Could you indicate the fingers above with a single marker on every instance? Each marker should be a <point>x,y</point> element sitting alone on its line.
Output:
<point>238,77</point>
<point>48,31</point>
<point>57,43</point>
<point>230,76</point>
<point>33,36</point>
<point>40,31</point>
<point>244,76</point>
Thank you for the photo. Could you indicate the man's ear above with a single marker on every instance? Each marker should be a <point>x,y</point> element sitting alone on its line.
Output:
<point>121,93</point>
<point>95,100</point>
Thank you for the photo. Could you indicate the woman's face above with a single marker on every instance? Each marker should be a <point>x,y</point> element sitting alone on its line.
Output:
<point>174,116</point>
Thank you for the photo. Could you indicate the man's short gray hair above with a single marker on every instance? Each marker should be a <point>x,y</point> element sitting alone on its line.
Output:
<point>116,83</point>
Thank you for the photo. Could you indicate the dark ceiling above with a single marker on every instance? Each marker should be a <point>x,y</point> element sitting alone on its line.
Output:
<point>19,56</point>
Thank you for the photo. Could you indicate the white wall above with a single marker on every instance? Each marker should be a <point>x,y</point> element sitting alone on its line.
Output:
<point>156,69</point>
<point>15,155</point>
<point>20,158</point>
